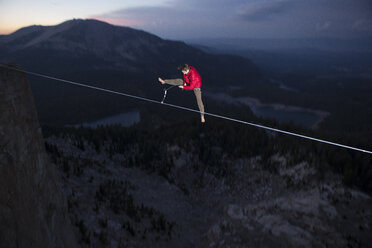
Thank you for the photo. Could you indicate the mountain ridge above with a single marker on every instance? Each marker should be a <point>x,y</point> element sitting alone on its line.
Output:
<point>104,40</point>
<point>119,58</point>
<point>77,35</point>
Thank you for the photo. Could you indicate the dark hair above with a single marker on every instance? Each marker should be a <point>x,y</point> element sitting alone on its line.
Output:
<point>183,67</point>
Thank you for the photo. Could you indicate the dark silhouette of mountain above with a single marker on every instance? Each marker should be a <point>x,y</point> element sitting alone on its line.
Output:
<point>103,45</point>
<point>324,44</point>
<point>120,58</point>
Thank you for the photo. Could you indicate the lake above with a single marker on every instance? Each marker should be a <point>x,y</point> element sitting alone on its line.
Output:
<point>283,113</point>
<point>125,119</point>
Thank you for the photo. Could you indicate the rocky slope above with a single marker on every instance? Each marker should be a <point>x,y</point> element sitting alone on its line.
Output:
<point>174,200</point>
<point>33,210</point>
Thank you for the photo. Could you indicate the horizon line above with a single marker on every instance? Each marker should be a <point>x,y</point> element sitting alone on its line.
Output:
<point>191,38</point>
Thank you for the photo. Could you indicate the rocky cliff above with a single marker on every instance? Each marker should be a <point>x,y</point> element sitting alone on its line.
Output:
<point>33,210</point>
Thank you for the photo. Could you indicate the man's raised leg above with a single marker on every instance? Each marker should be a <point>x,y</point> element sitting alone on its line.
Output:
<point>177,81</point>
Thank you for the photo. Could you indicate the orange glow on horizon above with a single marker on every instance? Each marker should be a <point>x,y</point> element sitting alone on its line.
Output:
<point>8,29</point>
<point>12,26</point>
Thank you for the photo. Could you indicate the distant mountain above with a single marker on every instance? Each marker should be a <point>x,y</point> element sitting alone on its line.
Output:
<point>107,46</point>
<point>307,56</point>
<point>324,44</point>
<point>120,58</point>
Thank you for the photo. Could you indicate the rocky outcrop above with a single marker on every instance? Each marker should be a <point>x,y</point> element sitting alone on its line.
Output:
<point>33,209</point>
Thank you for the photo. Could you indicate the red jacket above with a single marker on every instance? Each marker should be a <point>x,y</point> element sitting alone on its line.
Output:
<point>192,79</point>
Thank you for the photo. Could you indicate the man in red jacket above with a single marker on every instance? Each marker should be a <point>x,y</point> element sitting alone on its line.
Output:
<point>191,81</point>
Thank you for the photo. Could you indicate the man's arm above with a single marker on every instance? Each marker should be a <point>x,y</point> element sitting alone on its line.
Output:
<point>192,82</point>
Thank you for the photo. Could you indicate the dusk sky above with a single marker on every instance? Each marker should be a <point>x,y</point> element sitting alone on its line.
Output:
<point>176,19</point>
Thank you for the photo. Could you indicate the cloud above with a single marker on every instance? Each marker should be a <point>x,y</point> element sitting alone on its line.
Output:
<point>266,10</point>
<point>170,21</point>
<point>248,18</point>
<point>362,25</point>
<point>323,26</point>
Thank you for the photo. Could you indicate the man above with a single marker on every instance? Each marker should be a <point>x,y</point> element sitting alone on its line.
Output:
<point>191,81</point>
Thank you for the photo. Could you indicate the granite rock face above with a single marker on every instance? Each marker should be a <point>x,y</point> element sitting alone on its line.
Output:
<point>33,209</point>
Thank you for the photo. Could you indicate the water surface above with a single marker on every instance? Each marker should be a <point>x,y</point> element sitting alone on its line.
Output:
<point>125,119</point>
<point>283,113</point>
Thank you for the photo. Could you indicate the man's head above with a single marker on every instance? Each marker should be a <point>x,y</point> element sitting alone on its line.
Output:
<point>185,68</point>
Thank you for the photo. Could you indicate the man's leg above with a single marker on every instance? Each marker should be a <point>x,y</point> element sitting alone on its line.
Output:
<point>177,81</point>
<point>197,92</point>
